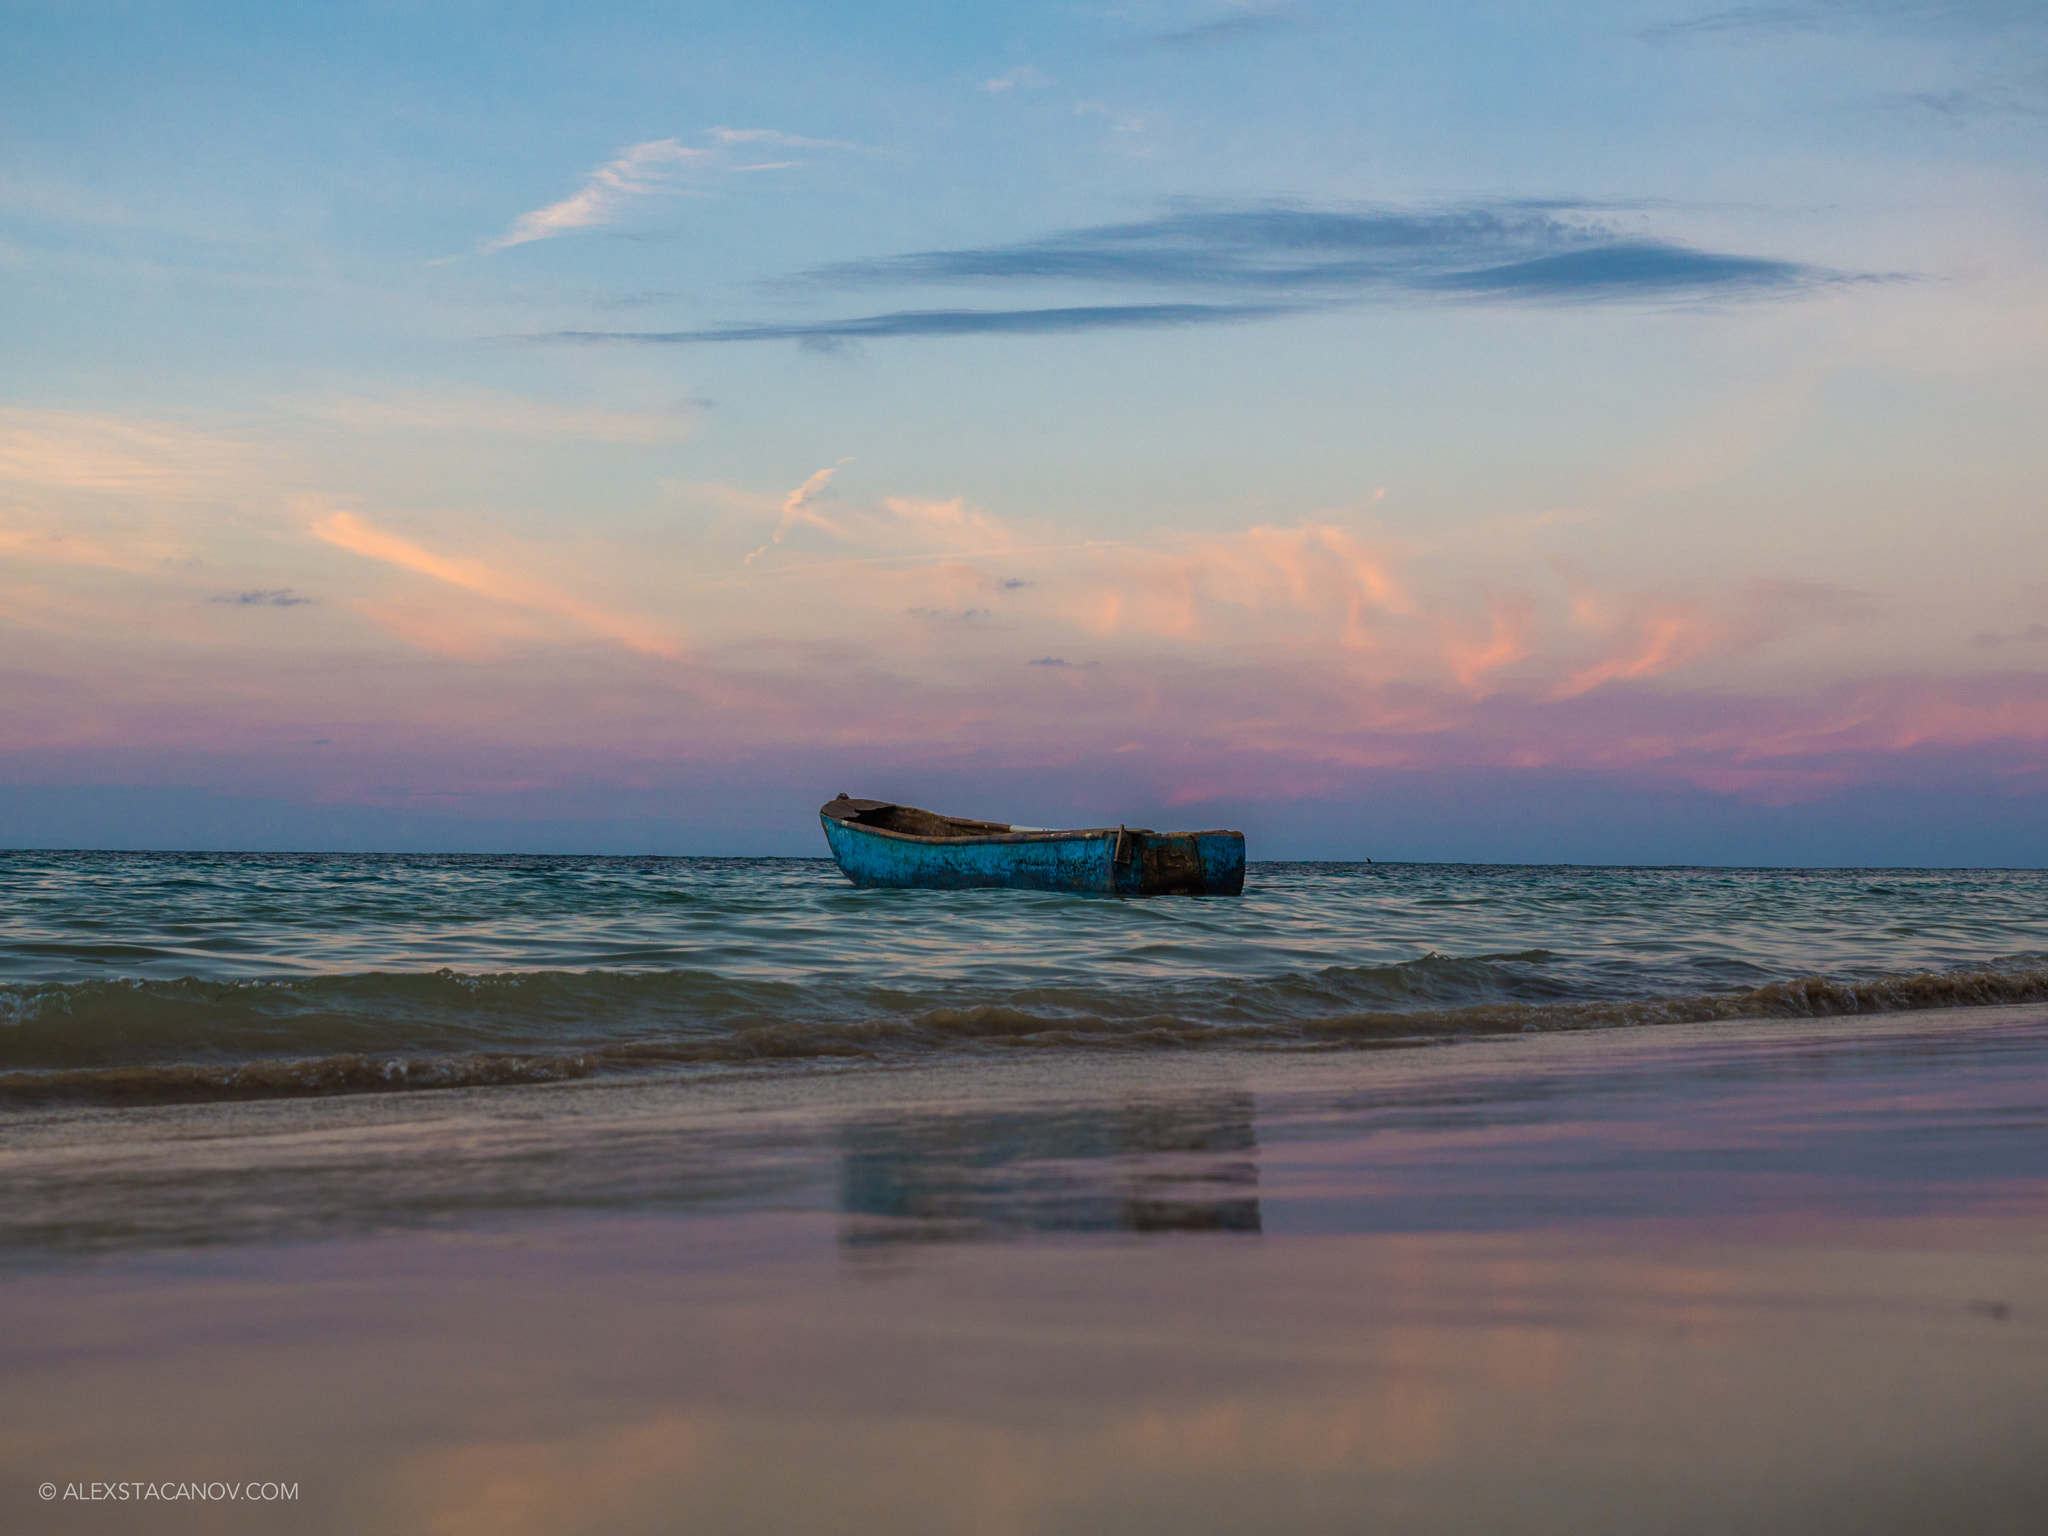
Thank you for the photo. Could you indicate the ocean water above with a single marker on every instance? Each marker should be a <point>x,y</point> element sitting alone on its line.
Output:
<point>598,1195</point>
<point>156,978</point>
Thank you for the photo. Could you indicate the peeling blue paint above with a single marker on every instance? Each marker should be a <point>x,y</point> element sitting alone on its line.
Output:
<point>1109,861</point>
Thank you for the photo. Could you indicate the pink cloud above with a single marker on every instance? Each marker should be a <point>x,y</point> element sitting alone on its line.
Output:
<point>1278,660</point>
<point>1510,627</point>
<point>347,531</point>
<point>1654,640</point>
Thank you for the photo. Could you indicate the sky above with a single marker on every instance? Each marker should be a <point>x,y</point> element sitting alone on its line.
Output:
<point>1464,431</point>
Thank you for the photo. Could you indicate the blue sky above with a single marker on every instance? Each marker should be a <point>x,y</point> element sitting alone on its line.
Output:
<point>517,426</point>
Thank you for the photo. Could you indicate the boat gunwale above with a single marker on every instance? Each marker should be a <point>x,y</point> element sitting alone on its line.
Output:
<point>1076,834</point>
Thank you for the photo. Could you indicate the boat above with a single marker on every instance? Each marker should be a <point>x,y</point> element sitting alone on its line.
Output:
<point>880,843</point>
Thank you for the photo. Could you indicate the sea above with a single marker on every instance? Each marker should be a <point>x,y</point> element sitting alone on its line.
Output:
<point>523,1194</point>
<point>134,979</point>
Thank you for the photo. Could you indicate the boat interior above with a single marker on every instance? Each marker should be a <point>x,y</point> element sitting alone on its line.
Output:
<point>909,820</point>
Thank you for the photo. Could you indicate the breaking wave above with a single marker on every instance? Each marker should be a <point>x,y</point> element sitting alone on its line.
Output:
<point>133,1042</point>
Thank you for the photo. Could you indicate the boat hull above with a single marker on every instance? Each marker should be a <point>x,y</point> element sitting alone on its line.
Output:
<point>1108,861</point>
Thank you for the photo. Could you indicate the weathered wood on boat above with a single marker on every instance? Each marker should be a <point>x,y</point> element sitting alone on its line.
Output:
<point>879,843</point>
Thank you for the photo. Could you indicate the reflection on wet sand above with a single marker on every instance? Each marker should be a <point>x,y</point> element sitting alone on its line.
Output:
<point>721,1374</point>
<point>1745,1280</point>
<point>1146,1165</point>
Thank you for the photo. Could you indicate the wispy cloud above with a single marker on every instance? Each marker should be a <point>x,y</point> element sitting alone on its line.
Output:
<point>130,515</point>
<point>492,413</point>
<point>1236,26</point>
<point>1819,15</point>
<point>953,322</point>
<point>1735,19</point>
<point>797,509</point>
<point>1630,269</point>
<point>82,451</point>
<point>1279,259</point>
<point>1296,651</point>
<point>487,580</point>
<point>641,171</point>
<point>264,597</point>
<point>1554,251</point>
<point>2009,36</point>
<point>1985,101</point>
<point>773,136</point>
<point>1333,594</point>
<point>659,167</point>
<point>1023,75</point>
<point>1991,639</point>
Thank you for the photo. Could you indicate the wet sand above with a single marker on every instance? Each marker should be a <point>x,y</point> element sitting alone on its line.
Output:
<point>1740,1277</point>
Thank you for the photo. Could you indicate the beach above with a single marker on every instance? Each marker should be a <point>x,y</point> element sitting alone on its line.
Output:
<point>1779,1273</point>
<point>1192,766</point>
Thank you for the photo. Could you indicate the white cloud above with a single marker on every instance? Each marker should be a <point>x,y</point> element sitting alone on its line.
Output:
<point>1023,75</point>
<point>771,136</point>
<point>657,168</point>
<point>645,169</point>
<point>797,508</point>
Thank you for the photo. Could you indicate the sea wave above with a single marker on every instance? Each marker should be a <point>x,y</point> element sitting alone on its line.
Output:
<point>121,1020</point>
<point>144,1042</point>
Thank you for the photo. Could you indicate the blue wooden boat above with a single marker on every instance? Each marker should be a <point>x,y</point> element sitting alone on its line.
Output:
<point>880,843</point>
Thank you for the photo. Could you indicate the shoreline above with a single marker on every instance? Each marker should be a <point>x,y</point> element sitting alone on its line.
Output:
<point>80,1180</point>
<point>1512,1284</point>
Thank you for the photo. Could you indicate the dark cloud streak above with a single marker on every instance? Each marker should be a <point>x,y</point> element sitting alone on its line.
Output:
<point>1630,270</point>
<point>1263,262</point>
<point>278,597</point>
<point>1747,18</point>
<point>1997,102</point>
<point>1531,249</point>
<point>955,322</point>
<point>1824,15</point>
<point>2015,31</point>
<point>1227,29</point>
